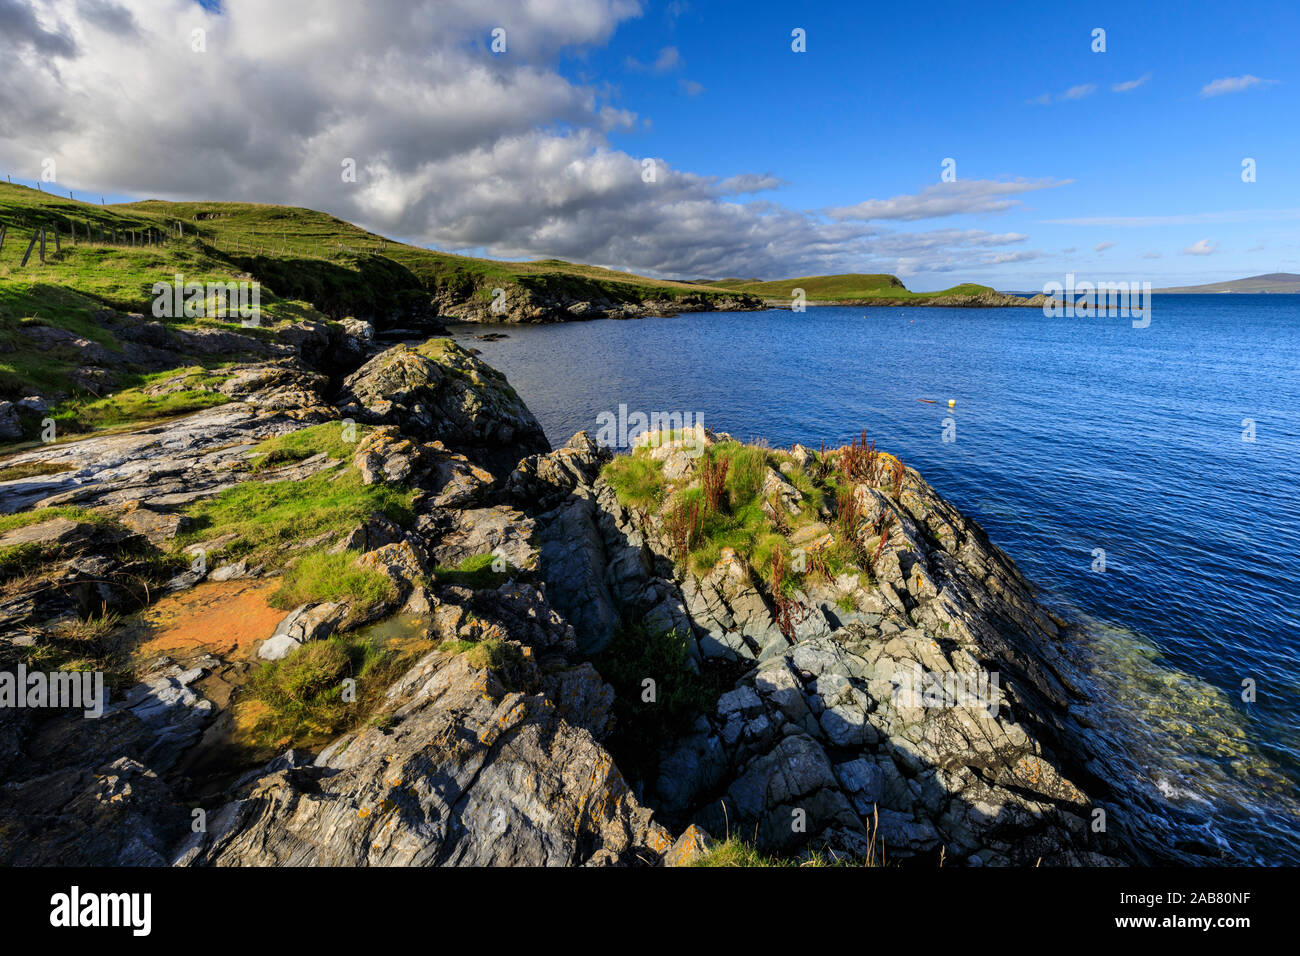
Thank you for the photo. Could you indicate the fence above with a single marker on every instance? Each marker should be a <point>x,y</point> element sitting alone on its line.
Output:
<point>53,234</point>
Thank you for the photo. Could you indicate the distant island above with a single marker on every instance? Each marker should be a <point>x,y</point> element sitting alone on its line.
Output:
<point>1273,282</point>
<point>867,289</point>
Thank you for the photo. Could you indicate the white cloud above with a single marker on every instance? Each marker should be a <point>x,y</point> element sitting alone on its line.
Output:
<point>962,197</point>
<point>455,147</point>
<point>1078,92</point>
<point>1103,246</point>
<point>669,59</point>
<point>1130,84</point>
<point>1183,219</point>
<point>1202,247</point>
<point>690,87</point>
<point>1150,255</point>
<point>1233,84</point>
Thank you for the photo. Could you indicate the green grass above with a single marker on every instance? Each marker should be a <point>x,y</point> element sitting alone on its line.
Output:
<point>310,266</point>
<point>680,694</point>
<point>23,519</point>
<point>266,516</point>
<point>302,697</point>
<point>733,852</point>
<point>637,480</point>
<point>32,469</point>
<point>477,573</point>
<point>137,405</point>
<point>847,287</point>
<point>321,576</point>
<point>501,657</point>
<point>331,438</point>
<point>755,529</point>
<point>300,254</point>
<point>83,645</point>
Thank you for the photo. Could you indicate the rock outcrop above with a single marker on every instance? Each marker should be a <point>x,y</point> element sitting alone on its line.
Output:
<point>439,392</point>
<point>923,715</point>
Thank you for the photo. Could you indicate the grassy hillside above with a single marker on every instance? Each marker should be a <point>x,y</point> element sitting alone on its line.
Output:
<point>310,266</point>
<point>299,253</point>
<point>851,286</point>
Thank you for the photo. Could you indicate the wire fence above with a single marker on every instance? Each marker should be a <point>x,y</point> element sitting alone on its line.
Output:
<point>40,243</point>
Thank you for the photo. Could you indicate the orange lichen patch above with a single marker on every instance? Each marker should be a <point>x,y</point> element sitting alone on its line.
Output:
<point>221,617</point>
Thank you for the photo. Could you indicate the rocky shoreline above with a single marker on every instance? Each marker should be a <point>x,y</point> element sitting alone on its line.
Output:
<point>493,746</point>
<point>570,301</point>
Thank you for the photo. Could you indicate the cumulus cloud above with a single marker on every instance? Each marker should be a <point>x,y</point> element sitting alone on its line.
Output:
<point>1233,84</point>
<point>1202,247</point>
<point>455,147</point>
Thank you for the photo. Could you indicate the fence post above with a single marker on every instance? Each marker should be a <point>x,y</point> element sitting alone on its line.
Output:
<point>58,247</point>
<point>42,245</point>
<point>3,229</point>
<point>28,254</point>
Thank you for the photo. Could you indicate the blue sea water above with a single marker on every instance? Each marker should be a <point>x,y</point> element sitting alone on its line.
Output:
<point>1174,449</point>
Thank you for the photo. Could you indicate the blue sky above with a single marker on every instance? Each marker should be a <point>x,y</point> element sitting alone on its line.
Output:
<point>1123,164</point>
<point>885,92</point>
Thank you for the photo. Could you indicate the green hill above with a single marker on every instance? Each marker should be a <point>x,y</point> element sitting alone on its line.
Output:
<point>849,287</point>
<point>310,266</point>
<point>301,253</point>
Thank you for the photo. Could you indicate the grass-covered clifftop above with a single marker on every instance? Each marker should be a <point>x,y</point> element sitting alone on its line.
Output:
<point>299,254</point>
<point>71,318</point>
<point>864,289</point>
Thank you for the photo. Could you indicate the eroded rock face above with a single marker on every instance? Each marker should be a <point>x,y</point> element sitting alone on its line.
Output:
<point>471,773</point>
<point>841,734</point>
<point>598,566</point>
<point>500,758</point>
<point>89,791</point>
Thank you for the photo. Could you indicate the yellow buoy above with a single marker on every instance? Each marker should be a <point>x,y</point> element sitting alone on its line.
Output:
<point>952,403</point>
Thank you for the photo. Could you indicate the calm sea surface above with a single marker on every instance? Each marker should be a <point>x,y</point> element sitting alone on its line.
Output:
<point>1071,435</point>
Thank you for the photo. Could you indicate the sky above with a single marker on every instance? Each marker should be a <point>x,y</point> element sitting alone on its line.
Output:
<point>942,142</point>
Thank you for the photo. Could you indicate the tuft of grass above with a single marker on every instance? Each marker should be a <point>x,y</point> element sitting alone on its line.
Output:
<point>302,700</point>
<point>22,519</point>
<point>33,469</point>
<point>634,655</point>
<point>734,852</point>
<point>82,645</point>
<point>132,406</point>
<point>331,438</point>
<point>264,516</point>
<point>503,658</point>
<point>637,480</point>
<point>144,402</point>
<point>321,576</point>
<point>477,573</point>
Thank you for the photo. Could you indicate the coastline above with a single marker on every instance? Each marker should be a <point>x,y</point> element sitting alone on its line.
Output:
<point>874,772</point>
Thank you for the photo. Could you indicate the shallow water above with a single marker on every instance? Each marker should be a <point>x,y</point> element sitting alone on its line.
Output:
<point>1071,435</point>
